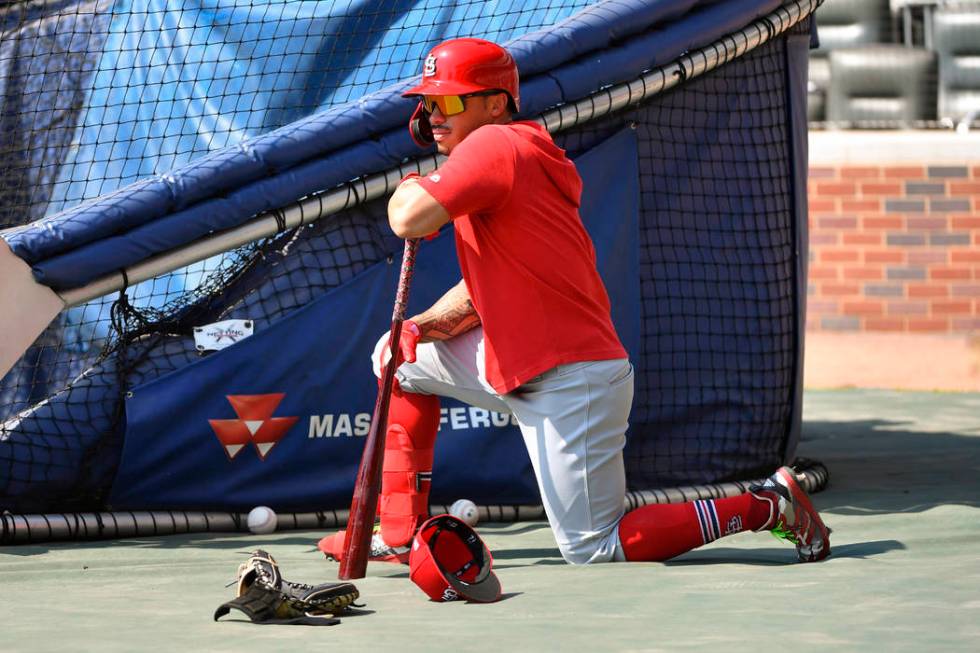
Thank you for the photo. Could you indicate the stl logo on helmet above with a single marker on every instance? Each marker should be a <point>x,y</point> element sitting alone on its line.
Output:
<point>449,594</point>
<point>429,67</point>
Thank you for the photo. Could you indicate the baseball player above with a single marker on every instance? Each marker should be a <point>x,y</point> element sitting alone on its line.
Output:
<point>527,331</point>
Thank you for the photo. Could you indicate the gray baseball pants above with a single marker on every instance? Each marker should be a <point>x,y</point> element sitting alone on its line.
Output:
<point>573,419</point>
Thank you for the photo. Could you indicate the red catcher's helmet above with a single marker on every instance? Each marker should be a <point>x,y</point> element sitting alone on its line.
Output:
<point>462,66</point>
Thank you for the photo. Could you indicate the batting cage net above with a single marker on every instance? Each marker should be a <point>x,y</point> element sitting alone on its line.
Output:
<point>98,96</point>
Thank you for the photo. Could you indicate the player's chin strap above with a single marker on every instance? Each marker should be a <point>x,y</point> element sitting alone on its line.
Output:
<point>420,128</point>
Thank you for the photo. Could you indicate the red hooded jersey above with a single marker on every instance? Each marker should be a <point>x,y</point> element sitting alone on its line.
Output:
<point>527,261</point>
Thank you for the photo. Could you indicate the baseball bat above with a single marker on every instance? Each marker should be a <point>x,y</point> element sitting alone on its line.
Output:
<point>367,485</point>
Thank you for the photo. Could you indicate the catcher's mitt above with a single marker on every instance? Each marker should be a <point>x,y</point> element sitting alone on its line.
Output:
<point>266,598</point>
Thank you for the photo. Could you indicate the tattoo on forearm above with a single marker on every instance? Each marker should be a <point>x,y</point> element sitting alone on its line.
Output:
<point>454,321</point>
<point>452,315</point>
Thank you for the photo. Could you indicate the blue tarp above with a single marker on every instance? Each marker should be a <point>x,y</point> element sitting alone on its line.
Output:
<point>225,188</point>
<point>715,334</point>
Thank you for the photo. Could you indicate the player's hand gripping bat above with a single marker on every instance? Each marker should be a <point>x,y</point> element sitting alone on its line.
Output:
<point>367,486</point>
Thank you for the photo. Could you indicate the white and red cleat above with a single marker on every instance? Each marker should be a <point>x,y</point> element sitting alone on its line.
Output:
<point>791,515</point>
<point>333,547</point>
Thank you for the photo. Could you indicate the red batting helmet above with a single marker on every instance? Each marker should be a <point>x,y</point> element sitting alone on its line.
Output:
<point>460,67</point>
<point>449,561</point>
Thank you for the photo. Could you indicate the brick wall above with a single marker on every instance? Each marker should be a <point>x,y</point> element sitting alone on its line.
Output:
<point>894,248</point>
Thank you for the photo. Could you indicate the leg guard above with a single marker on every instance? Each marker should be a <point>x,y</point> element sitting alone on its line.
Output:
<point>413,421</point>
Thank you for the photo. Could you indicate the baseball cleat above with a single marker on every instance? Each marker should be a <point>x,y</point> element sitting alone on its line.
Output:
<point>791,515</point>
<point>333,548</point>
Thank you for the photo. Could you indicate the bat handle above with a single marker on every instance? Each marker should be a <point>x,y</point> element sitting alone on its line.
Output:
<point>405,280</point>
<point>401,296</point>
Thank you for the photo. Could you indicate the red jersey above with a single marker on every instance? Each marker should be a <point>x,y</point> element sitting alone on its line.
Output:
<point>527,261</point>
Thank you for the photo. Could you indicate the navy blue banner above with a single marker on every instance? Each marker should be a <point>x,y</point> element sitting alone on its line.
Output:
<point>279,418</point>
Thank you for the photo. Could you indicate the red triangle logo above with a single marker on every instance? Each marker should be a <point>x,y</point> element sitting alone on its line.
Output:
<point>255,424</point>
<point>271,431</point>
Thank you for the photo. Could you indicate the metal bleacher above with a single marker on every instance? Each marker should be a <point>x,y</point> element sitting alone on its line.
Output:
<point>956,36</point>
<point>896,64</point>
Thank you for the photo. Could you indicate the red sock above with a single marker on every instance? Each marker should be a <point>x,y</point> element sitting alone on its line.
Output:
<point>662,531</point>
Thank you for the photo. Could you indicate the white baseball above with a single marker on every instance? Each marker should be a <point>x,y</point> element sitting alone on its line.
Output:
<point>465,510</point>
<point>262,520</point>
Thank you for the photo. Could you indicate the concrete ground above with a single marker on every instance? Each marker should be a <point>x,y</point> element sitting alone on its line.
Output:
<point>904,575</point>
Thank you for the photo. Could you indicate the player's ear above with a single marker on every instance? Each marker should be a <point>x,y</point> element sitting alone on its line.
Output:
<point>497,104</point>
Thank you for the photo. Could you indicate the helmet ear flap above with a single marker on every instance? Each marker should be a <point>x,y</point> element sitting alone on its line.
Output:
<point>420,128</point>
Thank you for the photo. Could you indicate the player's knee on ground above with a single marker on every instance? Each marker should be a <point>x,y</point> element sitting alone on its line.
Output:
<point>597,548</point>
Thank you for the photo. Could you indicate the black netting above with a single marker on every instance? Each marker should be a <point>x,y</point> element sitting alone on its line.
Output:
<point>717,265</point>
<point>90,94</point>
<point>717,273</point>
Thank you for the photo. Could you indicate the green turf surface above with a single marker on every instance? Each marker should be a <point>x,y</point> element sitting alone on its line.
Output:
<point>904,575</point>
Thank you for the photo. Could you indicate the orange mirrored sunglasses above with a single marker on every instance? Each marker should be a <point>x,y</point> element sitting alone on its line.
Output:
<point>450,105</point>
